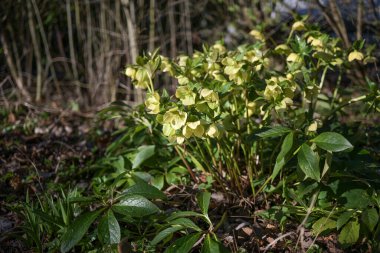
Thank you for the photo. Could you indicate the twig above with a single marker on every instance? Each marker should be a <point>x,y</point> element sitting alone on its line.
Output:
<point>187,165</point>
<point>276,240</point>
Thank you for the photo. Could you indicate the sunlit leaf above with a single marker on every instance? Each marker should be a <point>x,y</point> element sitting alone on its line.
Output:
<point>145,152</point>
<point>135,206</point>
<point>144,189</point>
<point>184,244</point>
<point>165,233</point>
<point>333,142</point>
<point>323,224</point>
<point>275,131</point>
<point>349,234</point>
<point>203,199</point>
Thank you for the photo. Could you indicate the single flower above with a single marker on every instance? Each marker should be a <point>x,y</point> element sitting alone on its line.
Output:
<point>153,103</point>
<point>186,96</point>
<point>257,35</point>
<point>175,118</point>
<point>298,26</point>
<point>355,55</point>
<point>193,129</point>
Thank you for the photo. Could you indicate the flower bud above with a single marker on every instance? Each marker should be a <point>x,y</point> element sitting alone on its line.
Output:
<point>355,55</point>
<point>131,72</point>
<point>298,26</point>
<point>153,103</point>
<point>257,35</point>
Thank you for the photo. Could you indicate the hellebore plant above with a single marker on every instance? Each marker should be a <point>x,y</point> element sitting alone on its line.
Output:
<point>229,105</point>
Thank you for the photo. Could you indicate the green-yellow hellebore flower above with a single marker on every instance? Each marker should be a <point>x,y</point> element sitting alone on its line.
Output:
<point>131,72</point>
<point>250,109</point>
<point>193,129</point>
<point>175,118</point>
<point>183,60</point>
<point>211,98</point>
<point>186,96</point>
<point>142,79</point>
<point>283,104</point>
<point>355,55</point>
<point>282,49</point>
<point>153,103</point>
<point>315,42</point>
<point>167,130</point>
<point>182,80</point>
<point>293,57</point>
<point>337,62</point>
<point>180,139</point>
<point>231,66</point>
<point>218,76</point>
<point>272,91</point>
<point>256,56</point>
<point>313,127</point>
<point>257,35</point>
<point>251,56</point>
<point>298,26</point>
<point>166,65</point>
<point>214,131</point>
<point>219,48</point>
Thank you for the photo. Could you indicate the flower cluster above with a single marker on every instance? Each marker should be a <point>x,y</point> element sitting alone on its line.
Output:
<point>221,92</point>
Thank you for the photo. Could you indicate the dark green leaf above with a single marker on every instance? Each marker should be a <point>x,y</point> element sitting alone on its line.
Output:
<point>204,201</point>
<point>356,198</point>
<point>165,233</point>
<point>77,230</point>
<point>323,56</point>
<point>185,222</point>
<point>343,219</point>
<point>333,142</point>
<point>184,244</point>
<point>309,162</point>
<point>145,152</point>
<point>212,246</point>
<point>180,214</point>
<point>370,218</point>
<point>286,147</point>
<point>109,229</point>
<point>275,131</point>
<point>144,189</point>
<point>135,206</point>
<point>349,234</point>
<point>82,199</point>
<point>48,218</point>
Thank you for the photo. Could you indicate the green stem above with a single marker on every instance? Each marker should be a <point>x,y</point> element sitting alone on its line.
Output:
<point>290,36</point>
<point>354,100</point>
<point>323,77</point>
<point>336,88</point>
<point>186,164</point>
<point>314,101</point>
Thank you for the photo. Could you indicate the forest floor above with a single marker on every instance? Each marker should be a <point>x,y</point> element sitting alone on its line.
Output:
<point>44,152</point>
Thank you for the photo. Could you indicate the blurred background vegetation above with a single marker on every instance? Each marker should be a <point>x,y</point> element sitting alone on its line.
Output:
<point>73,52</point>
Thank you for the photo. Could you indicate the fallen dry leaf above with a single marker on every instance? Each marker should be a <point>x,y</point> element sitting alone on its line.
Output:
<point>247,230</point>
